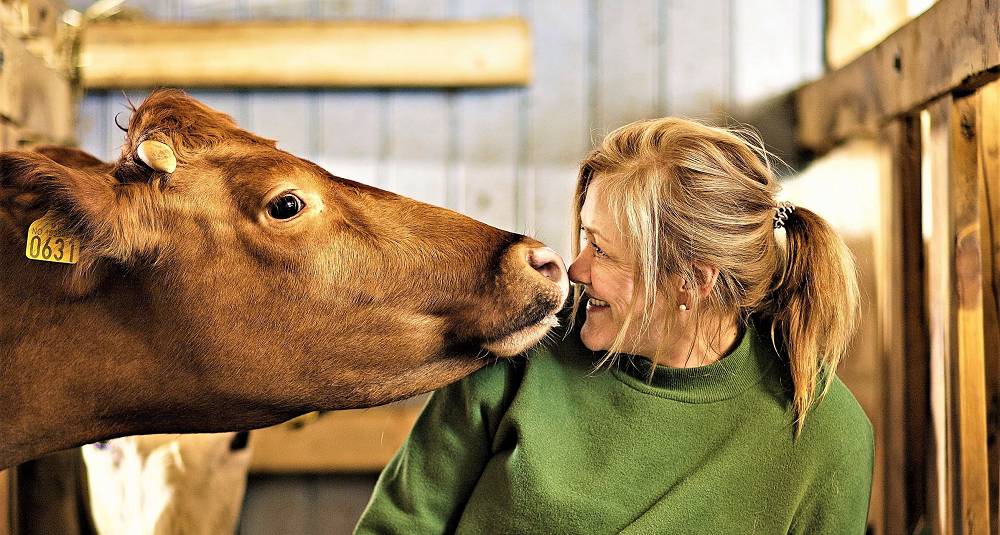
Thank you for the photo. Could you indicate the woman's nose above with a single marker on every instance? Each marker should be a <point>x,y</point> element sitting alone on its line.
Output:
<point>579,270</point>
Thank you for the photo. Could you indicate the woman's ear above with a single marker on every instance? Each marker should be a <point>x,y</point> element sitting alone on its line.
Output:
<point>707,277</point>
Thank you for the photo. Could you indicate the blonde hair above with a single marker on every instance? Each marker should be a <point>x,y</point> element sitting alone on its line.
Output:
<point>682,193</point>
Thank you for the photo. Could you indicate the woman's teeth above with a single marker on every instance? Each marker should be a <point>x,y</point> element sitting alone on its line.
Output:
<point>597,303</point>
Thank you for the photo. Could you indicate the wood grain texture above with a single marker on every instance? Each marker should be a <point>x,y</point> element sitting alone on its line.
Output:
<point>935,142</point>
<point>306,54</point>
<point>854,26</point>
<point>343,441</point>
<point>969,405</point>
<point>5,505</point>
<point>951,45</point>
<point>988,131</point>
<point>902,344</point>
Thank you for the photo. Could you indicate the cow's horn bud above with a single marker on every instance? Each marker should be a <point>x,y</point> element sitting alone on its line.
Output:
<point>158,156</point>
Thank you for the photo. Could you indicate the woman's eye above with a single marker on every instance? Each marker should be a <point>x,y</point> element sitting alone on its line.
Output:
<point>285,206</point>
<point>598,250</point>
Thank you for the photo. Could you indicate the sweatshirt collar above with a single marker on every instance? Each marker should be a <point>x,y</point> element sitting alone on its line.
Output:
<point>730,376</point>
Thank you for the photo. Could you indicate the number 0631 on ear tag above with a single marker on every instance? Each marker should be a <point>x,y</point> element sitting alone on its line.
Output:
<point>47,243</point>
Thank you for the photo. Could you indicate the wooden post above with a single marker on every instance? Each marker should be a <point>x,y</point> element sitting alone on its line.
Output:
<point>955,304</point>
<point>902,339</point>
<point>969,373</point>
<point>5,515</point>
<point>988,132</point>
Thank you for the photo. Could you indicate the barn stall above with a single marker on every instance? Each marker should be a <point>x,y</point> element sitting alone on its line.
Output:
<point>885,112</point>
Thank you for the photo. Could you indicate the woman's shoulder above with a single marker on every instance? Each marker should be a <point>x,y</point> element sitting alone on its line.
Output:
<point>839,427</point>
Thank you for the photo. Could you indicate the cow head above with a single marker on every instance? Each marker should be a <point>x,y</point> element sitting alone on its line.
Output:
<point>274,283</point>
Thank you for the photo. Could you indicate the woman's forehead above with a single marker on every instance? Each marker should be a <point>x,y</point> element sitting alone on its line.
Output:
<point>591,209</point>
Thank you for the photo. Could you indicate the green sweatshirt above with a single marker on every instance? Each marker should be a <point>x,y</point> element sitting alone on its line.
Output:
<point>546,445</point>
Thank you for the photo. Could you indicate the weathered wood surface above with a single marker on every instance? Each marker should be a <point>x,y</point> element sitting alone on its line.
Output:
<point>306,54</point>
<point>902,329</point>
<point>988,132</point>
<point>854,26</point>
<point>969,408</point>
<point>342,441</point>
<point>951,45</point>
<point>960,491</point>
<point>5,504</point>
<point>35,96</point>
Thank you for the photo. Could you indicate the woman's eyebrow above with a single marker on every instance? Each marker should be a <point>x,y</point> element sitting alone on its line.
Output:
<point>594,232</point>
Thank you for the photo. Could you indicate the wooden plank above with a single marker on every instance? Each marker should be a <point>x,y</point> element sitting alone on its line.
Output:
<point>307,54</point>
<point>854,26</point>
<point>955,310</point>
<point>31,19</point>
<point>13,53</point>
<point>5,504</point>
<point>34,96</point>
<point>935,141</point>
<point>989,182</point>
<point>969,374</point>
<point>342,441</point>
<point>952,45</point>
<point>902,344</point>
<point>9,136</point>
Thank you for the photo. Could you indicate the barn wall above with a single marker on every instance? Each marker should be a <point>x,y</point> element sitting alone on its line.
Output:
<point>506,156</point>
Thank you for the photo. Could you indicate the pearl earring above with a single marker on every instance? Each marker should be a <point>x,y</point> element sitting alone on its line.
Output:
<point>683,307</point>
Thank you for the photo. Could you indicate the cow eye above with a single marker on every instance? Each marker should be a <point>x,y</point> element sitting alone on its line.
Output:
<point>285,206</point>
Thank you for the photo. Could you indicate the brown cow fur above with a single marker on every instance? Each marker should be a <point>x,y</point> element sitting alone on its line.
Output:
<point>192,310</point>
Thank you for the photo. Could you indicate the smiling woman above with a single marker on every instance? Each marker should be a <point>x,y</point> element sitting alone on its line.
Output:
<point>699,395</point>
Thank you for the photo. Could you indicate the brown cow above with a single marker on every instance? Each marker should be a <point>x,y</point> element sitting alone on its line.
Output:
<point>241,288</point>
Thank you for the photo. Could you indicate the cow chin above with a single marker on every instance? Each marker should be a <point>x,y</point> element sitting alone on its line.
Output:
<point>523,339</point>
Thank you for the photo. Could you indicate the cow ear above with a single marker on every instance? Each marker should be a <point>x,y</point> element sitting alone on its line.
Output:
<point>88,202</point>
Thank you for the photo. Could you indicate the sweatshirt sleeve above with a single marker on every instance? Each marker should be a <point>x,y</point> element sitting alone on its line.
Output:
<point>839,503</point>
<point>425,487</point>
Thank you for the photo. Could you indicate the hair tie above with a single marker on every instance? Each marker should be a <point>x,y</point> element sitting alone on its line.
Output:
<point>781,213</point>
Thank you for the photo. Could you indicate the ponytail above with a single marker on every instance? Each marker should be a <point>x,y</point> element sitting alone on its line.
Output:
<point>813,304</point>
<point>687,193</point>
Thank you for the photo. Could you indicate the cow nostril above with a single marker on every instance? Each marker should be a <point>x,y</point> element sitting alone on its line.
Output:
<point>548,263</point>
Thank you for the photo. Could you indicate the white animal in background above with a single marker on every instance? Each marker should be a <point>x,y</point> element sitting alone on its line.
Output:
<point>168,484</point>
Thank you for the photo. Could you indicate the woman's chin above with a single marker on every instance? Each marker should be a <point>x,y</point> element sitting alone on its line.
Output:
<point>592,339</point>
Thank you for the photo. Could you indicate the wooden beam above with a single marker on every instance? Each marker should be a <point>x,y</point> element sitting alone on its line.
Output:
<point>955,307</point>
<point>969,359</point>
<point>955,44</point>
<point>854,26</point>
<point>902,340</point>
<point>306,54</point>
<point>989,169</point>
<point>5,504</point>
<point>39,100</point>
<point>342,441</point>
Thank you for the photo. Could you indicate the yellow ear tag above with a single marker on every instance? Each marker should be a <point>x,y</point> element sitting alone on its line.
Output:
<point>46,243</point>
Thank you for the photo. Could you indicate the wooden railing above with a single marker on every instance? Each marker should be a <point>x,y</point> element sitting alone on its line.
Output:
<point>929,93</point>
